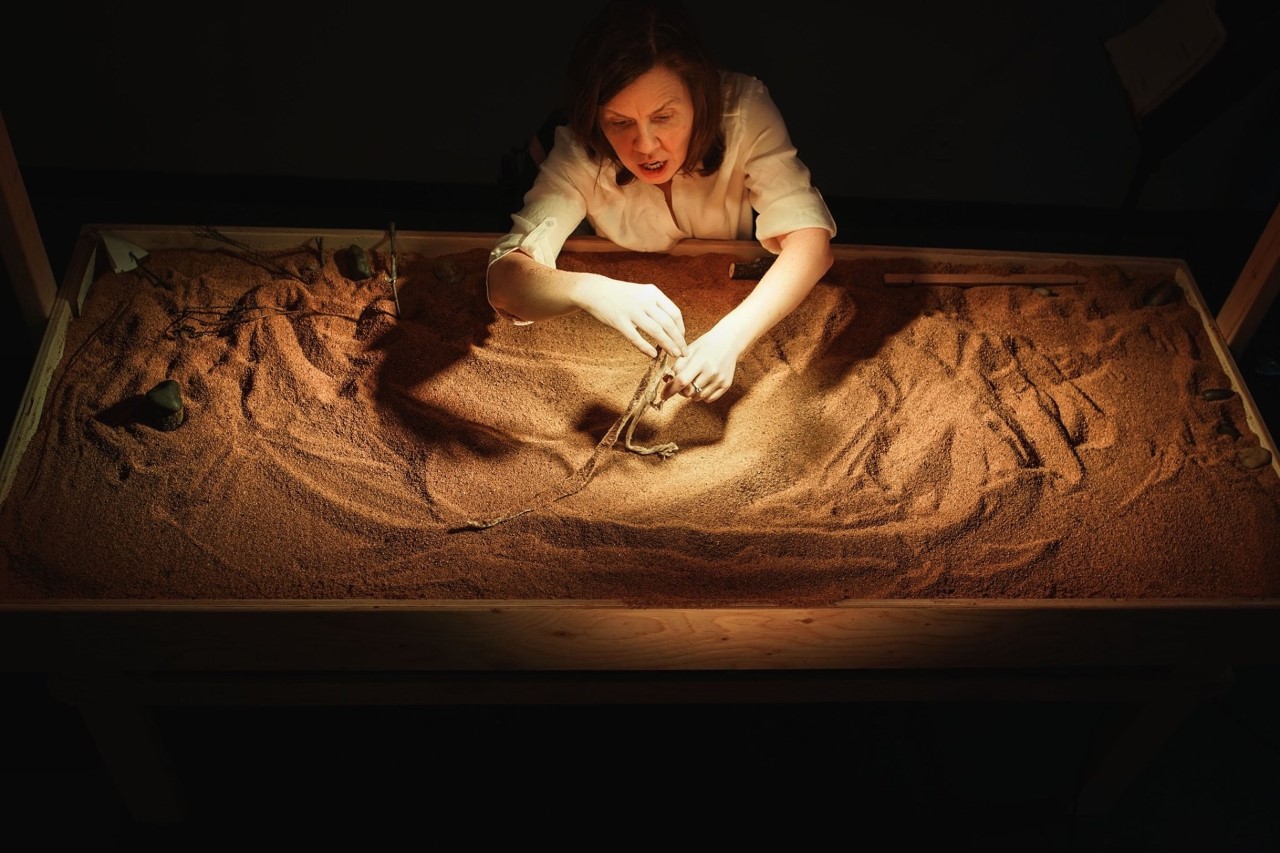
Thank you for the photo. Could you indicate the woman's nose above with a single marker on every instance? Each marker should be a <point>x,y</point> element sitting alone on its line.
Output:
<point>646,139</point>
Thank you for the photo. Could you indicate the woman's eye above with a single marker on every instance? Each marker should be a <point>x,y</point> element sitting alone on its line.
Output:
<point>620,123</point>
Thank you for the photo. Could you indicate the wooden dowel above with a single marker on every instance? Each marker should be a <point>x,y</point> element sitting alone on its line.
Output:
<point>754,268</point>
<point>967,279</point>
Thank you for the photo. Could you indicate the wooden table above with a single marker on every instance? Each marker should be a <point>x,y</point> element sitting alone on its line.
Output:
<point>114,658</point>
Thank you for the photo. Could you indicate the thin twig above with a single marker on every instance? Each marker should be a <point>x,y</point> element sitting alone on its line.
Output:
<point>226,317</point>
<point>211,233</point>
<point>148,273</point>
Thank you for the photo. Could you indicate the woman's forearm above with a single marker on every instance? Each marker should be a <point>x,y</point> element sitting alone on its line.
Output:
<point>521,287</point>
<point>805,257</point>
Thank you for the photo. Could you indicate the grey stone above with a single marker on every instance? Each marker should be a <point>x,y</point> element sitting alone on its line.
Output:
<point>166,407</point>
<point>1255,457</point>
<point>1163,293</point>
<point>448,270</point>
<point>361,268</point>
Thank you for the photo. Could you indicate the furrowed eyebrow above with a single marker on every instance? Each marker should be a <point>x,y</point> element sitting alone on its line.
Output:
<point>666,106</point>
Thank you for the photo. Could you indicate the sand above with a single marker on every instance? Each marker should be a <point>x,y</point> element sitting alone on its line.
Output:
<point>342,439</point>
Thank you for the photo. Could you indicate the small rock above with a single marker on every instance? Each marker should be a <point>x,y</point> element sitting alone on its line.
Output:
<point>1213,395</point>
<point>1163,293</point>
<point>360,266</point>
<point>1255,457</point>
<point>1044,291</point>
<point>167,409</point>
<point>448,270</point>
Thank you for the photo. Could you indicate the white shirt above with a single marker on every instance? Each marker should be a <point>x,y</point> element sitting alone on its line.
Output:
<point>761,179</point>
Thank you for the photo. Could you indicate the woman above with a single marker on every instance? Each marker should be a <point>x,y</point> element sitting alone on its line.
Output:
<point>662,145</point>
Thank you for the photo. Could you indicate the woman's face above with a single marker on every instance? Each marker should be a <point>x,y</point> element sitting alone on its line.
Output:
<point>649,124</point>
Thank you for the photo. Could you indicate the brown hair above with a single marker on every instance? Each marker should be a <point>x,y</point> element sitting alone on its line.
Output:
<point>626,40</point>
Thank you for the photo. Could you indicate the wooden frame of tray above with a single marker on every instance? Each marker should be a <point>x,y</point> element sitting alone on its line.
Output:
<point>347,635</point>
<point>114,658</point>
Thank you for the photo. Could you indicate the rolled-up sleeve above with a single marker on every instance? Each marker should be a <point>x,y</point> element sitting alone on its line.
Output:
<point>778,181</point>
<point>553,208</point>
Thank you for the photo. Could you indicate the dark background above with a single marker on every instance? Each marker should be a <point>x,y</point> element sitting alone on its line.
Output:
<point>996,125</point>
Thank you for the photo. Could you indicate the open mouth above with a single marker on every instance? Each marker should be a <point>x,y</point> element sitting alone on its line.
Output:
<point>656,166</point>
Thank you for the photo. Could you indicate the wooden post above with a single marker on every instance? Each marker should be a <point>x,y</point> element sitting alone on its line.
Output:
<point>21,246</point>
<point>1254,290</point>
